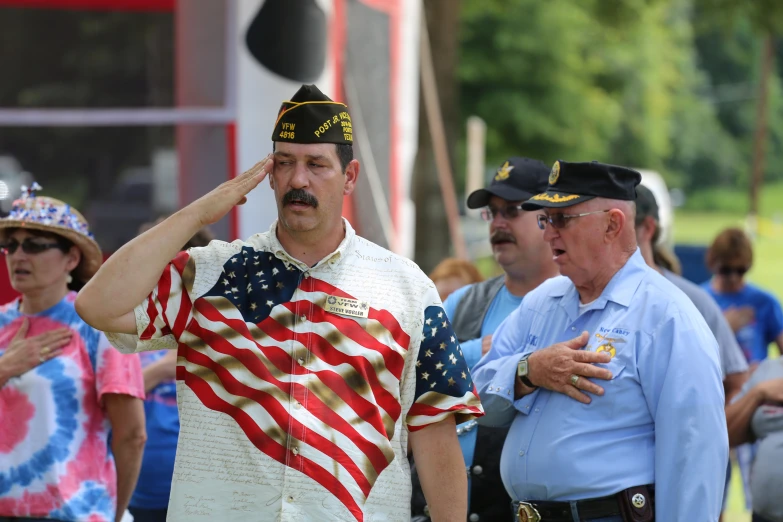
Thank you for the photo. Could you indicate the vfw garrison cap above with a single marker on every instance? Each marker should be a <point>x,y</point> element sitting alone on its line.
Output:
<point>310,116</point>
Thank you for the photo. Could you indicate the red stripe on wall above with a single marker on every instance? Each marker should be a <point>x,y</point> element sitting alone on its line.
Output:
<point>231,155</point>
<point>103,5</point>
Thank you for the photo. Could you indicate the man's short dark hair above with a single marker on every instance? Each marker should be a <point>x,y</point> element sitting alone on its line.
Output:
<point>344,152</point>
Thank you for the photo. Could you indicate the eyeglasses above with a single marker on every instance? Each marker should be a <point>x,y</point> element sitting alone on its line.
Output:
<point>508,212</point>
<point>28,246</point>
<point>561,220</point>
<point>728,270</point>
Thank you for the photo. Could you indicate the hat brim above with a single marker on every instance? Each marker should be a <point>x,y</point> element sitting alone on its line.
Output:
<point>92,258</point>
<point>480,198</point>
<point>554,199</point>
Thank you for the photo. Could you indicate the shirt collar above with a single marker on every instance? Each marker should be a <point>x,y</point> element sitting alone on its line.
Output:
<point>329,261</point>
<point>621,287</point>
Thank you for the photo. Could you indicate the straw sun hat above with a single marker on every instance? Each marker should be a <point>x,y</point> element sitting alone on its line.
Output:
<point>56,217</point>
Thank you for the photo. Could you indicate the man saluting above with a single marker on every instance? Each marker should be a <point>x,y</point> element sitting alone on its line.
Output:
<point>307,356</point>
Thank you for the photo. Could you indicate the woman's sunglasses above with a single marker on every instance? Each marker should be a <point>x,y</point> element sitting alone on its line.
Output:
<point>729,270</point>
<point>28,247</point>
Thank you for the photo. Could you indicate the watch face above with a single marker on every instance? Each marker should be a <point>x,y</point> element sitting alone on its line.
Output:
<point>522,368</point>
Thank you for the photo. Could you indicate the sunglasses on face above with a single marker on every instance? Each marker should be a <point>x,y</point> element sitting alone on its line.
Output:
<point>561,220</point>
<point>509,212</point>
<point>729,270</point>
<point>29,246</point>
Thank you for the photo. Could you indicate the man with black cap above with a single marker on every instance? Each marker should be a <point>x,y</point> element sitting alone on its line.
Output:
<point>650,441</point>
<point>477,310</point>
<point>308,357</point>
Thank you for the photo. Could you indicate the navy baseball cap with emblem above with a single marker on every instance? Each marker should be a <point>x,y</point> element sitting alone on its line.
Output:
<point>572,183</point>
<point>518,179</point>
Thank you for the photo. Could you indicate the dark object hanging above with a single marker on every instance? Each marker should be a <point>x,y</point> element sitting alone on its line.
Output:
<point>288,37</point>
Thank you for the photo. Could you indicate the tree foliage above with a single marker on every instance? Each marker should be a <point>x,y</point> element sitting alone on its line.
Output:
<point>644,83</point>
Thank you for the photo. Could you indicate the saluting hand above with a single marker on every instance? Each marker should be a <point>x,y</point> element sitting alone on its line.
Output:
<point>211,207</point>
<point>565,368</point>
<point>25,353</point>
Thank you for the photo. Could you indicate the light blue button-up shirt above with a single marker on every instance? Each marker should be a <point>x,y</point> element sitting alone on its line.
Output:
<point>661,419</point>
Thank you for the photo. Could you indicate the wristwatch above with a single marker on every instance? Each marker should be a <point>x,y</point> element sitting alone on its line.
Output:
<point>522,371</point>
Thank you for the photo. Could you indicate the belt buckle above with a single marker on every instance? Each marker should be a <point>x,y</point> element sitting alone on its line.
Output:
<point>528,513</point>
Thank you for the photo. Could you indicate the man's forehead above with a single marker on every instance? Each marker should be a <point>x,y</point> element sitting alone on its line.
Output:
<point>306,150</point>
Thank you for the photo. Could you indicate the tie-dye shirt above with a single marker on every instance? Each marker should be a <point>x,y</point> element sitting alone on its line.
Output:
<point>55,460</point>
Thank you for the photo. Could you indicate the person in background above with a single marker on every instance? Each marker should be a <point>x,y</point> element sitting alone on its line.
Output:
<point>733,364</point>
<point>754,314</point>
<point>150,500</point>
<point>476,311</point>
<point>756,414</point>
<point>62,386</point>
<point>452,274</point>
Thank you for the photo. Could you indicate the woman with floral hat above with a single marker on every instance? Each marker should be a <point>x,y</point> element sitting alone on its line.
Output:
<point>62,386</point>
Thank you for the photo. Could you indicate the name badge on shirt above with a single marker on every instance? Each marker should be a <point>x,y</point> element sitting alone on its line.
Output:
<point>346,306</point>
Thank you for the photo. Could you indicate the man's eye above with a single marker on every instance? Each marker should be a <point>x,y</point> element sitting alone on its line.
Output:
<point>315,165</point>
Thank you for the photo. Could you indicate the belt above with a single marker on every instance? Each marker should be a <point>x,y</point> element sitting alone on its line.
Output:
<point>545,511</point>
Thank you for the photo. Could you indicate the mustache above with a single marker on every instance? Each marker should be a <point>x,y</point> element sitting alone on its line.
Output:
<point>300,196</point>
<point>501,236</point>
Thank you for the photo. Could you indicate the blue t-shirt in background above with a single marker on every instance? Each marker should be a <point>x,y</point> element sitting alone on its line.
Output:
<point>501,307</point>
<point>767,325</point>
<point>157,466</point>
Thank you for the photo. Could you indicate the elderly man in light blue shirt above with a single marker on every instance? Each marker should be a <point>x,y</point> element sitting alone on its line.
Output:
<point>650,440</point>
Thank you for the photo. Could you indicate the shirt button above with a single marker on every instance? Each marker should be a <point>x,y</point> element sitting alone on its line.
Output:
<point>573,328</point>
<point>300,361</point>
<point>290,498</point>
<point>477,470</point>
<point>537,410</point>
<point>295,451</point>
<point>521,453</point>
<point>297,405</point>
<point>473,517</point>
<point>527,407</point>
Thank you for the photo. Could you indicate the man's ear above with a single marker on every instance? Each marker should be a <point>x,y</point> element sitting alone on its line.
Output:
<point>615,224</point>
<point>271,178</point>
<point>351,177</point>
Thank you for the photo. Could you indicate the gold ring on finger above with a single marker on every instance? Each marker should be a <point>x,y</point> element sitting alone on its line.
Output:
<point>574,380</point>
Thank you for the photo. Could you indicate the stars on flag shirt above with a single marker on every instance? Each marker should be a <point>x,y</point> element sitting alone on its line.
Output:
<point>297,385</point>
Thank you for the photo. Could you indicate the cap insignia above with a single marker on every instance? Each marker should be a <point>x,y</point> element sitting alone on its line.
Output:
<point>554,173</point>
<point>504,172</point>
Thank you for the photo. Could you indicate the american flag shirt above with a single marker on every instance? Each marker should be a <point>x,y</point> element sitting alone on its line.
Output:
<point>297,386</point>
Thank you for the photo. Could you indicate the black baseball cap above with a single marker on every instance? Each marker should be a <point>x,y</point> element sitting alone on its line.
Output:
<point>518,179</point>
<point>572,183</point>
